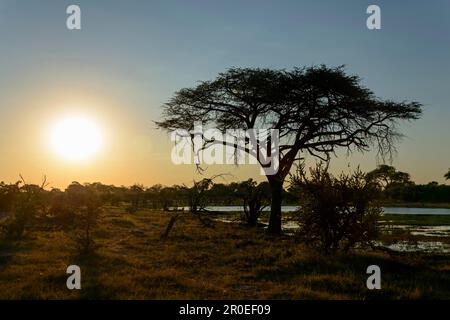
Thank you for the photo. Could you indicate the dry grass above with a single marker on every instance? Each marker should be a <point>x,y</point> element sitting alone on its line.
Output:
<point>222,261</point>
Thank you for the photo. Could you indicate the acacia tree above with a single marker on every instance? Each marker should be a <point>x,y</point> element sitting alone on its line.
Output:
<point>387,176</point>
<point>315,109</point>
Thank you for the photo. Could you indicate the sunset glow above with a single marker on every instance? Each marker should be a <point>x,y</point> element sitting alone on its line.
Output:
<point>75,138</point>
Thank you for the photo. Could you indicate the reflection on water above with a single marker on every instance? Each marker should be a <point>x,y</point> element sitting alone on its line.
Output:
<point>289,227</point>
<point>387,210</point>
<point>419,246</point>
<point>402,210</point>
<point>427,231</point>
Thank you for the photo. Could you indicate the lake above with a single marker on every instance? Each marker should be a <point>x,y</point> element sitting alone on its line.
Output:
<point>387,210</point>
<point>427,231</point>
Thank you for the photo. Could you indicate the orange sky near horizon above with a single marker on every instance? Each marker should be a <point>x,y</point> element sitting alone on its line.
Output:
<point>134,151</point>
<point>119,74</point>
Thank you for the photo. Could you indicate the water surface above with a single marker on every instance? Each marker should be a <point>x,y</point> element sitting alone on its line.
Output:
<point>387,210</point>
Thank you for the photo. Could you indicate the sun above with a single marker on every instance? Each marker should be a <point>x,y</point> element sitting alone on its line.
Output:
<point>76,138</point>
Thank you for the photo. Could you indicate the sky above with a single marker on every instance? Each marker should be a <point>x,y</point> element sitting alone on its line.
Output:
<point>131,56</point>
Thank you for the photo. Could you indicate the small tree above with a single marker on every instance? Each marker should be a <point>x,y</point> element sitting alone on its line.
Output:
<point>8,194</point>
<point>336,213</point>
<point>255,198</point>
<point>25,202</point>
<point>447,175</point>
<point>197,195</point>
<point>136,197</point>
<point>60,209</point>
<point>86,206</point>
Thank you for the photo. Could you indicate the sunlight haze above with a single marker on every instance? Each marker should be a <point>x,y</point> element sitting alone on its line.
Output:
<point>129,59</point>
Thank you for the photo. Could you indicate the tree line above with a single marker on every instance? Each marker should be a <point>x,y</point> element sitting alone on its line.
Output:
<point>335,212</point>
<point>397,186</point>
<point>394,185</point>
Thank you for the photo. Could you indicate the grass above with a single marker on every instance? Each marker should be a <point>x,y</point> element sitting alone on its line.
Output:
<point>221,261</point>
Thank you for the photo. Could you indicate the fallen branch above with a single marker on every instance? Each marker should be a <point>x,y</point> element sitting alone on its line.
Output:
<point>169,227</point>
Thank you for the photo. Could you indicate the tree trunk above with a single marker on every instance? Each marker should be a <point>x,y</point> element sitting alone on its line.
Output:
<point>276,187</point>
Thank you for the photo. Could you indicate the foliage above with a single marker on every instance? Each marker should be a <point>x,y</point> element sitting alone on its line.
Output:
<point>315,110</point>
<point>135,194</point>
<point>431,192</point>
<point>23,202</point>
<point>336,213</point>
<point>447,175</point>
<point>387,176</point>
<point>86,206</point>
<point>255,198</point>
<point>197,195</point>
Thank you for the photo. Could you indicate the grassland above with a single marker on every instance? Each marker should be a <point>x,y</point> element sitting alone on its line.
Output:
<point>205,260</point>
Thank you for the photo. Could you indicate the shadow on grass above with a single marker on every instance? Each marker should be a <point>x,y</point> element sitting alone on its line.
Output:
<point>92,267</point>
<point>7,250</point>
<point>345,275</point>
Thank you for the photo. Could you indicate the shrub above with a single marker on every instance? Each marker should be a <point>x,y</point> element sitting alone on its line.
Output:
<point>24,203</point>
<point>255,198</point>
<point>197,196</point>
<point>336,213</point>
<point>86,205</point>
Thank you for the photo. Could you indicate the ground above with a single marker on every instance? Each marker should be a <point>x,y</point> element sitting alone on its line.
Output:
<point>205,260</point>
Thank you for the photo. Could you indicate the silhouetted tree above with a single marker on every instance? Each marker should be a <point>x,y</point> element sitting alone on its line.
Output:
<point>8,195</point>
<point>223,194</point>
<point>136,197</point>
<point>86,205</point>
<point>197,196</point>
<point>25,202</point>
<point>255,198</point>
<point>315,109</point>
<point>387,176</point>
<point>447,175</point>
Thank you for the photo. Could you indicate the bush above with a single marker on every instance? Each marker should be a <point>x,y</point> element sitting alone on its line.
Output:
<point>255,198</point>
<point>336,213</point>
<point>60,210</point>
<point>24,203</point>
<point>85,204</point>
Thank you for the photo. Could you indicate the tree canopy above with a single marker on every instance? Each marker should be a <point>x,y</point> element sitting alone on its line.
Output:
<point>316,110</point>
<point>387,176</point>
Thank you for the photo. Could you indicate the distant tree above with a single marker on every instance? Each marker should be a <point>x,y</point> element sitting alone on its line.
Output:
<point>316,110</point>
<point>26,204</point>
<point>197,195</point>
<point>447,175</point>
<point>60,209</point>
<point>387,176</point>
<point>8,194</point>
<point>136,197</point>
<point>224,194</point>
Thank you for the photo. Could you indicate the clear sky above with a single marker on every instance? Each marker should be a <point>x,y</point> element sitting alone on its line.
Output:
<point>130,56</point>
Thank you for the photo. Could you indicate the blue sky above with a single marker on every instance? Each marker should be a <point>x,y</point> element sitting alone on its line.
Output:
<point>137,53</point>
